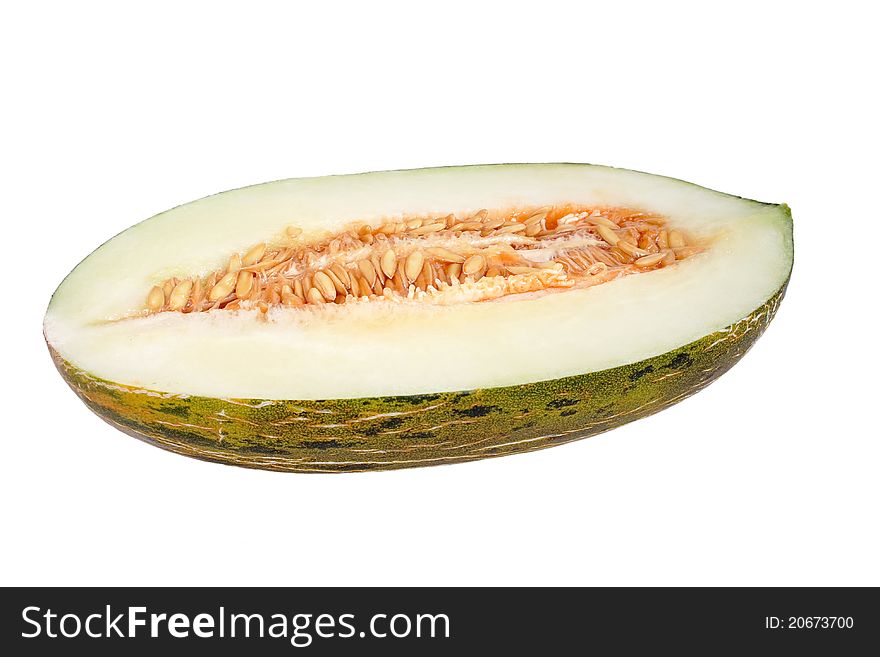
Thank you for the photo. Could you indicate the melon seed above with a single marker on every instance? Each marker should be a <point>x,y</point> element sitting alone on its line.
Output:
<point>430,253</point>
<point>534,229</point>
<point>341,273</point>
<point>340,287</point>
<point>599,220</point>
<point>535,218</point>
<point>179,295</point>
<point>453,271</point>
<point>367,271</point>
<point>429,228</point>
<point>389,263</point>
<point>325,285</point>
<point>253,256</point>
<point>468,225</point>
<point>223,287</point>
<point>243,284</point>
<point>608,235</point>
<point>413,264</point>
<point>630,249</point>
<point>156,298</point>
<point>649,260</point>
<point>444,254</point>
<point>473,264</point>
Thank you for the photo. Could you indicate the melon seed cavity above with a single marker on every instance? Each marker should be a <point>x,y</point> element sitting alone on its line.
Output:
<point>441,259</point>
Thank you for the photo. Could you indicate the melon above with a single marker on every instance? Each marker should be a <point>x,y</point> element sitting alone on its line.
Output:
<point>412,318</point>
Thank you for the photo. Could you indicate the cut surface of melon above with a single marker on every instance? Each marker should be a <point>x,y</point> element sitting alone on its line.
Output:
<point>457,335</point>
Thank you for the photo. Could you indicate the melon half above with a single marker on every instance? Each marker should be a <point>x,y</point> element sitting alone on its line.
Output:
<point>421,317</point>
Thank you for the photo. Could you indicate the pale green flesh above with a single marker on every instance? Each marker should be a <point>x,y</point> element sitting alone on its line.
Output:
<point>382,349</point>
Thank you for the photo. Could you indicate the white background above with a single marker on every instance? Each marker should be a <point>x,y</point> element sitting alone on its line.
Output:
<point>111,113</point>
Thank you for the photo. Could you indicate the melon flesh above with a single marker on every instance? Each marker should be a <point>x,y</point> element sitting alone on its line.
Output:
<point>95,320</point>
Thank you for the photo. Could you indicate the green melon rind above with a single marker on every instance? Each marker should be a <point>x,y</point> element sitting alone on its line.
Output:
<point>383,433</point>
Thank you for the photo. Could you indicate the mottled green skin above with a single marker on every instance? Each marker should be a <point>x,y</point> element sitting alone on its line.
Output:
<point>347,435</point>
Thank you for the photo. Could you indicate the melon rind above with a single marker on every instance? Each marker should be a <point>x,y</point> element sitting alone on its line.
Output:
<point>384,433</point>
